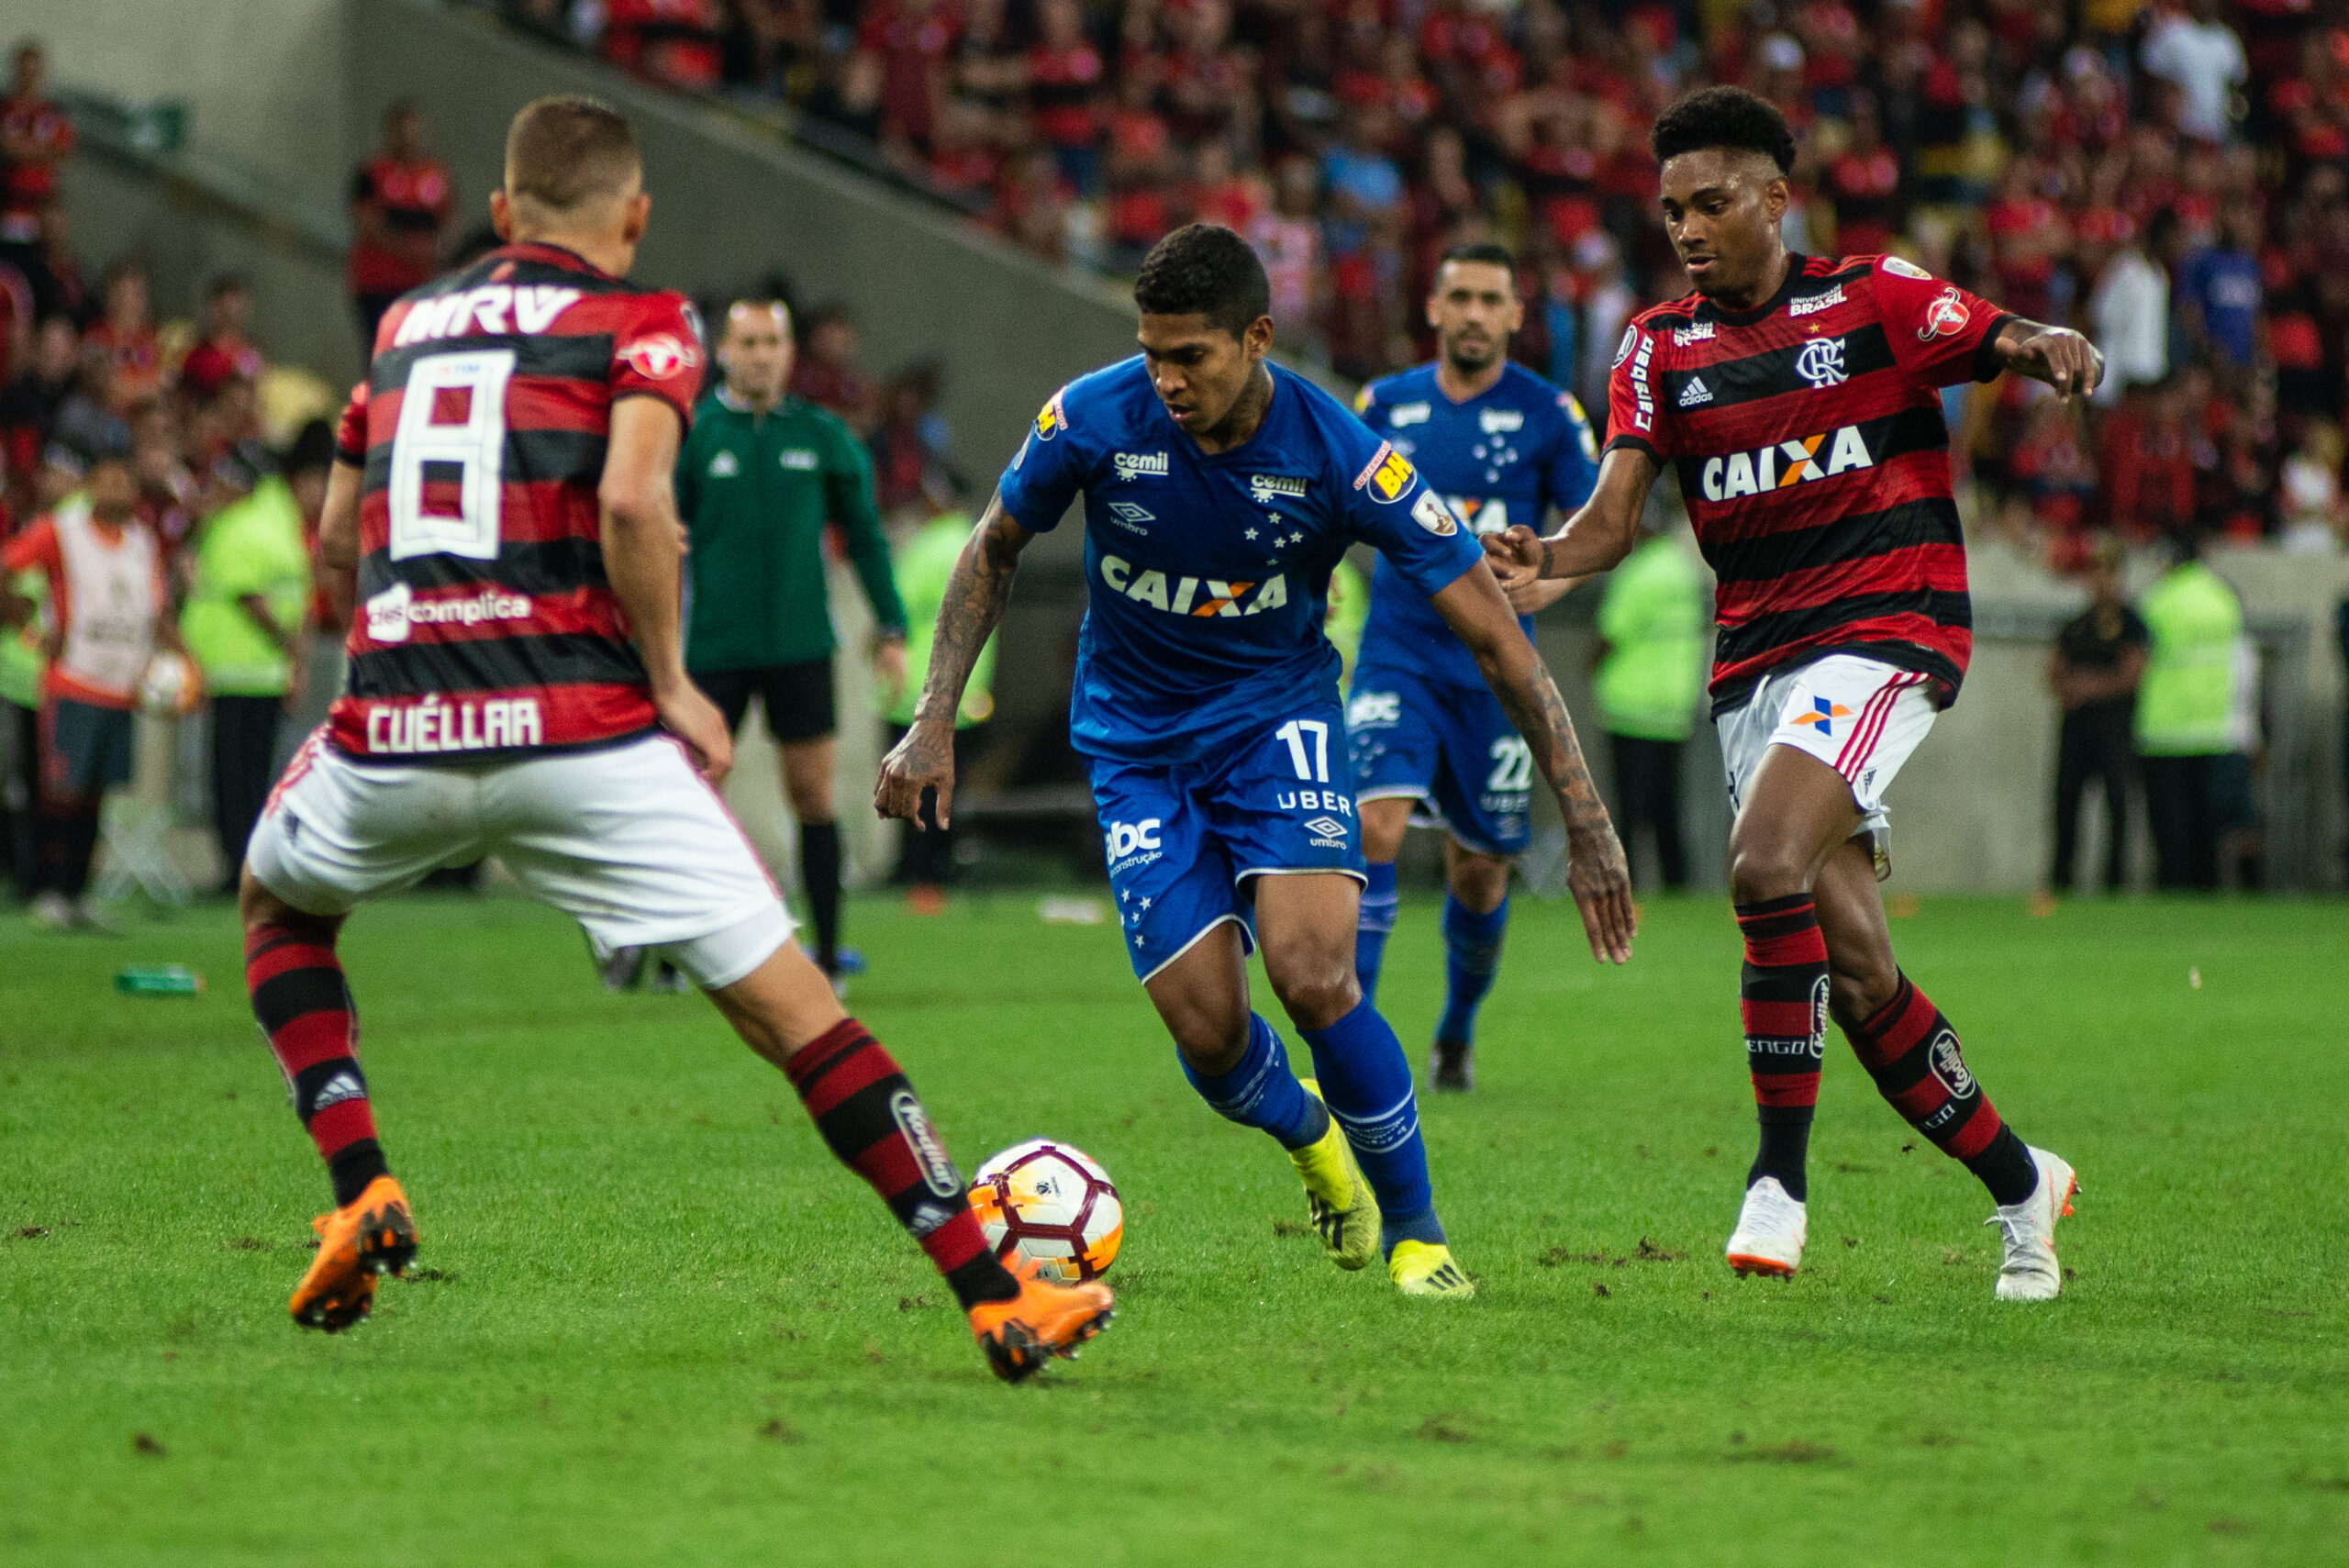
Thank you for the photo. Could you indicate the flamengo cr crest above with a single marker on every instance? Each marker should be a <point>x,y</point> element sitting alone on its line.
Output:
<point>1821,363</point>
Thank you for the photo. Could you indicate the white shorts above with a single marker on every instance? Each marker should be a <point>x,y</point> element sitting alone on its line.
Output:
<point>630,841</point>
<point>1859,716</point>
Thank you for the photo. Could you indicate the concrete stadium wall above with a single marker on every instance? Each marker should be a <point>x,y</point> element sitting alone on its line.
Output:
<point>264,77</point>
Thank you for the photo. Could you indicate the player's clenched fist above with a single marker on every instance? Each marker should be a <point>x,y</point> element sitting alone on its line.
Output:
<point>1514,555</point>
<point>923,760</point>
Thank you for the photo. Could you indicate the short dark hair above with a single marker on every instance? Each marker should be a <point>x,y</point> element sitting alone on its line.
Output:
<point>1723,116</point>
<point>312,450</point>
<point>1482,251</point>
<point>1204,269</point>
<point>563,153</point>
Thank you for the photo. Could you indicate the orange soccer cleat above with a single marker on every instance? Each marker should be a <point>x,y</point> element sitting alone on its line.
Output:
<point>371,1234</point>
<point>1043,1321</point>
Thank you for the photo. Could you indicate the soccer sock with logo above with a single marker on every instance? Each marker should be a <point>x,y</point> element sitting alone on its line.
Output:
<point>1367,1083</point>
<point>1782,994</point>
<point>1262,1091</point>
<point>873,1121</point>
<point>1373,926</point>
<point>305,1007</point>
<point>819,868</point>
<point>1913,1055</point>
<point>1472,956</point>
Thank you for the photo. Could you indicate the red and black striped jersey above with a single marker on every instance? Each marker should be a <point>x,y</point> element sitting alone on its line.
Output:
<point>488,630</point>
<point>1813,458</point>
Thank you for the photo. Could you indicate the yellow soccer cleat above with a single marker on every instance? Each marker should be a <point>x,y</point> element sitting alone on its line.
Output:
<point>1337,1196</point>
<point>371,1234</point>
<point>1420,1269</point>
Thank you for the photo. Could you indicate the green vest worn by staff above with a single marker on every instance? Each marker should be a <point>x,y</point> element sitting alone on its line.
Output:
<point>755,491</point>
<point>2186,703</point>
<point>1653,620</point>
<point>22,662</point>
<point>252,548</point>
<point>924,562</point>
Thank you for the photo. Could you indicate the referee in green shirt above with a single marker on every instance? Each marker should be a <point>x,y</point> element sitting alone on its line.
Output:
<point>758,477</point>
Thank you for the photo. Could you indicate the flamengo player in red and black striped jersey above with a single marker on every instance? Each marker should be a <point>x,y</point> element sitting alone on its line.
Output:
<point>1798,399</point>
<point>518,688</point>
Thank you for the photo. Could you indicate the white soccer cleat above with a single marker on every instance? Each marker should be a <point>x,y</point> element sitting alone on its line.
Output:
<point>2030,1272</point>
<point>1770,1232</point>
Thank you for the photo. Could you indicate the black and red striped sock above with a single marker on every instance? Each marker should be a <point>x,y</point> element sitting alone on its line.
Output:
<point>1782,994</point>
<point>1912,1053</point>
<point>871,1119</point>
<point>305,1007</point>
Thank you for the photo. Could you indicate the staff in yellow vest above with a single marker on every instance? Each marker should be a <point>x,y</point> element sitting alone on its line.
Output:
<point>922,563</point>
<point>2186,711</point>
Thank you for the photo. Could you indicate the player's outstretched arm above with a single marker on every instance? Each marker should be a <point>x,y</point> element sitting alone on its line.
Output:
<point>2056,355</point>
<point>644,551</point>
<point>975,593</point>
<point>1478,613</point>
<point>1599,534</point>
<point>338,538</point>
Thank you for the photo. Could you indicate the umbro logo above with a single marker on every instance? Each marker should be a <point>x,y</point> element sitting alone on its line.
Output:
<point>1696,391</point>
<point>1127,515</point>
<point>1328,832</point>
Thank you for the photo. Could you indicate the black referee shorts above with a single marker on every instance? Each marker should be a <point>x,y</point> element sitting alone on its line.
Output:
<point>797,698</point>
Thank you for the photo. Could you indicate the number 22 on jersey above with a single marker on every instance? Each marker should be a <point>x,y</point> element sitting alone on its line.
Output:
<point>448,456</point>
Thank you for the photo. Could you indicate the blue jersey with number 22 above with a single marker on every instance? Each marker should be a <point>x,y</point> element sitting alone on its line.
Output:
<point>1209,575</point>
<point>1506,456</point>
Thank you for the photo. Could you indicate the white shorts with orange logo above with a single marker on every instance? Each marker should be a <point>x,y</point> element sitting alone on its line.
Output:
<point>1859,716</point>
<point>629,840</point>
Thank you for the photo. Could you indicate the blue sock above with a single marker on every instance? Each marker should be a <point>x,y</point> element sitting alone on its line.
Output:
<point>1368,1086</point>
<point>1262,1091</point>
<point>1472,948</point>
<point>1376,922</point>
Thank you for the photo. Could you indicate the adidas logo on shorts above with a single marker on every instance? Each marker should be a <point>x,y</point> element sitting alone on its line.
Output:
<point>1696,391</point>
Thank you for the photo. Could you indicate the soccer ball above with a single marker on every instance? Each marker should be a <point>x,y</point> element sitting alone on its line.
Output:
<point>1050,1202</point>
<point>169,687</point>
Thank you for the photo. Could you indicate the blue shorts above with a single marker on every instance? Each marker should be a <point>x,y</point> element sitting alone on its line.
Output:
<point>1450,747</point>
<point>1184,842</point>
<point>85,749</point>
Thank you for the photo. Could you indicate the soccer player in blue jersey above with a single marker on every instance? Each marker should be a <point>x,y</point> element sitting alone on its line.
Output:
<point>1429,737</point>
<point>1220,490</point>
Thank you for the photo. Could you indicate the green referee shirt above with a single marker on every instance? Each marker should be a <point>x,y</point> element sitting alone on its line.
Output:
<point>1653,620</point>
<point>755,491</point>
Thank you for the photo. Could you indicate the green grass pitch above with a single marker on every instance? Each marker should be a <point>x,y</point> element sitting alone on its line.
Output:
<point>654,1323</point>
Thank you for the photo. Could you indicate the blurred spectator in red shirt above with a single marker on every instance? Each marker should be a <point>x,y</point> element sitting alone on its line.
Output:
<point>36,136</point>
<point>1864,185</point>
<point>221,349</point>
<point>2053,467</point>
<point>911,440</point>
<point>30,404</point>
<point>1290,240</point>
<point>125,337</point>
<point>680,42</point>
<point>1065,82</point>
<point>402,200</point>
<point>2148,460</point>
<point>825,372</point>
<point>909,40</point>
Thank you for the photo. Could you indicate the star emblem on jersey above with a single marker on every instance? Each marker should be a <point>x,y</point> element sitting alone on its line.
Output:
<point>1823,714</point>
<point>1821,363</point>
<point>1696,391</point>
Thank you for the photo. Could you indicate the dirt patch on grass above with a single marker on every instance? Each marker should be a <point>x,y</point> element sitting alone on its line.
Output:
<point>144,1442</point>
<point>1447,1427</point>
<point>28,1233</point>
<point>1647,1251</point>
<point>1794,1451</point>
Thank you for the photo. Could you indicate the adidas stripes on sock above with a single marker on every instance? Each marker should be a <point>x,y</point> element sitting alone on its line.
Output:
<point>874,1124</point>
<point>1472,950</point>
<point>1262,1091</point>
<point>304,1007</point>
<point>1373,926</point>
<point>1367,1085</point>
<point>1913,1055</point>
<point>1783,995</point>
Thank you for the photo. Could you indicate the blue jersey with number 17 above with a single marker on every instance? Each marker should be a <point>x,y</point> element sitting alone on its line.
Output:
<point>1209,575</point>
<point>1506,456</point>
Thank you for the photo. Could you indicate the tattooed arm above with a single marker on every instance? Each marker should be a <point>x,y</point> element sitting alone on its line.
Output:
<point>1475,609</point>
<point>975,596</point>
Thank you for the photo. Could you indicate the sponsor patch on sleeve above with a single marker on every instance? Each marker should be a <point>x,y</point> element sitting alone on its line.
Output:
<point>660,355</point>
<point>1430,512</point>
<point>1053,418</point>
<point>1947,315</point>
<point>1623,350</point>
<point>1900,269</point>
<point>1387,475</point>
